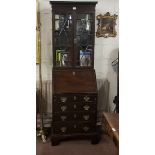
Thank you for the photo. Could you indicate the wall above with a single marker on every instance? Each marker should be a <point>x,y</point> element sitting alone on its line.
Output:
<point>106,50</point>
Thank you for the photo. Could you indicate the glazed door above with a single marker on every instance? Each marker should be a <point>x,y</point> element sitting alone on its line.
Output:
<point>73,36</point>
<point>63,39</point>
<point>84,40</point>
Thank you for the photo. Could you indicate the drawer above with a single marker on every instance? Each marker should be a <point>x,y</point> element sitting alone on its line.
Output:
<point>63,107</point>
<point>87,98</point>
<point>63,117</point>
<point>86,116</point>
<point>69,107</point>
<point>84,98</point>
<point>84,107</point>
<point>77,116</point>
<point>75,98</point>
<point>62,98</point>
<point>64,128</point>
<point>73,128</point>
<point>87,127</point>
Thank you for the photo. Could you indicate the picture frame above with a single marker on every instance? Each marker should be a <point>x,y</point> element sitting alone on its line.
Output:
<point>106,25</point>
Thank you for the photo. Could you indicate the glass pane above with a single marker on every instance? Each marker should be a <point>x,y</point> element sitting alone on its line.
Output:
<point>83,16</point>
<point>62,22</point>
<point>84,40</point>
<point>85,57</point>
<point>62,58</point>
<point>62,39</point>
<point>83,26</point>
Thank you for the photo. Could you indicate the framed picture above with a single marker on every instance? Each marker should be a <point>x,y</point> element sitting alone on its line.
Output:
<point>106,25</point>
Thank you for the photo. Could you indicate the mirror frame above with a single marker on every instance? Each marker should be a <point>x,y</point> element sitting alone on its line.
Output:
<point>106,25</point>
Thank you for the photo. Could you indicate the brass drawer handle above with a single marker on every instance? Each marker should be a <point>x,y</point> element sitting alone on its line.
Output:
<point>63,108</point>
<point>85,128</point>
<point>63,99</point>
<point>86,117</point>
<point>86,107</point>
<point>63,129</point>
<point>63,118</point>
<point>86,98</point>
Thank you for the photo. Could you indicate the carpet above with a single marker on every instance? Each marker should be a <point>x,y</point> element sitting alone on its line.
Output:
<point>77,147</point>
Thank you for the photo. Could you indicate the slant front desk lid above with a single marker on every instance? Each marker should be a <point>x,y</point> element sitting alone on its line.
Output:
<point>74,81</point>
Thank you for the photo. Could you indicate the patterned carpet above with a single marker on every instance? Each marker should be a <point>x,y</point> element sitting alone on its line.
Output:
<point>77,147</point>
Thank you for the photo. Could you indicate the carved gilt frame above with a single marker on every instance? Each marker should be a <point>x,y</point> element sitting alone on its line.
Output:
<point>106,25</point>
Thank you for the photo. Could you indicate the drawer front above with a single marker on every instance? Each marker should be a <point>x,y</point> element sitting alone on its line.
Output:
<point>63,117</point>
<point>62,98</point>
<point>87,127</point>
<point>75,98</point>
<point>65,128</point>
<point>88,98</point>
<point>62,128</point>
<point>85,107</point>
<point>59,107</point>
<point>70,107</point>
<point>73,128</point>
<point>86,116</point>
<point>77,116</point>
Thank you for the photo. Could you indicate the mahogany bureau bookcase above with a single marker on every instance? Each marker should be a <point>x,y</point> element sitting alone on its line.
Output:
<point>74,105</point>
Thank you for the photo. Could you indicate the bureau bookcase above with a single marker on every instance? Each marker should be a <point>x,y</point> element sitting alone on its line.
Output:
<point>74,103</point>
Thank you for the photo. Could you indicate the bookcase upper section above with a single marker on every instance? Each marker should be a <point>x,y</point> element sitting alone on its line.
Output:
<point>73,28</point>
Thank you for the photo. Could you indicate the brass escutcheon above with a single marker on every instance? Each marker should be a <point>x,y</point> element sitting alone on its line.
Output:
<point>86,98</point>
<point>63,99</point>
<point>86,117</point>
<point>63,108</point>
<point>86,107</point>
<point>63,118</point>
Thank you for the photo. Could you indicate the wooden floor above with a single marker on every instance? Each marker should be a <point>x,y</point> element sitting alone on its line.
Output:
<point>78,147</point>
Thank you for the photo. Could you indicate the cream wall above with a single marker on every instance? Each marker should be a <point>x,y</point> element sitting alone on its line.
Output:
<point>106,50</point>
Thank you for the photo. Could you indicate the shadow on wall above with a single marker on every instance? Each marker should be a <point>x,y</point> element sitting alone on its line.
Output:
<point>46,95</point>
<point>107,88</point>
<point>112,77</point>
<point>46,103</point>
<point>103,97</point>
<point>41,103</point>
